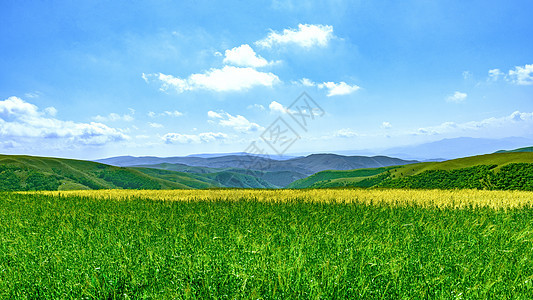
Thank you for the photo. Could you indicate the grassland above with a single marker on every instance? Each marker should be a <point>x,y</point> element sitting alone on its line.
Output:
<point>366,244</point>
<point>429,175</point>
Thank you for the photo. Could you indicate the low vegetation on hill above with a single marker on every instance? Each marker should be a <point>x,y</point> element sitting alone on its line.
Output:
<point>503,171</point>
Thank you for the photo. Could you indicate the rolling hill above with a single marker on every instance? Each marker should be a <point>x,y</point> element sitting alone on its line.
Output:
<point>276,179</point>
<point>461,172</point>
<point>525,149</point>
<point>43,173</point>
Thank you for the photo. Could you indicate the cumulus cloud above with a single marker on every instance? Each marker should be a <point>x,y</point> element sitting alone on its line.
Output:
<point>244,56</point>
<point>307,82</point>
<point>522,75</point>
<point>334,89</point>
<point>457,97</point>
<point>205,137</point>
<point>338,89</point>
<point>238,122</point>
<point>22,120</point>
<point>306,36</point>
<point>112,117</point>
<point>277,107</point>
<point>155,125</point>
<point>229,78</point>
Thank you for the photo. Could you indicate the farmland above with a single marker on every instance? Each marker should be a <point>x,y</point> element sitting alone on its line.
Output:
<point>328,243</point>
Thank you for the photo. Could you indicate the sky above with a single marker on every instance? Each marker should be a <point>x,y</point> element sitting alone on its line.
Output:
<point>94,79</point>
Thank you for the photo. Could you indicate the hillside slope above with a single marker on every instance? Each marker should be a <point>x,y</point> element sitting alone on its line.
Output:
<point>272,178</point>
<point>498,171</point>
<point>37,173</point>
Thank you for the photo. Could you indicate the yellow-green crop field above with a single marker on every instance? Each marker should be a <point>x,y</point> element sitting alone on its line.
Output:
<point>266,244</point>
<point>394,197</point>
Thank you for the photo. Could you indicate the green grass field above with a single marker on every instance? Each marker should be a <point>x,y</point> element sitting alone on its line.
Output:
<point>80,247</point>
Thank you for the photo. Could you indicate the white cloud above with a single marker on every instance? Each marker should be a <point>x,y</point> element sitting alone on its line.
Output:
<point>338,89</point>
<point>155,125</point>
<point>112,117</point>
<point>22,120</point>
<point>277,107</point>
<point>522,75</point>
<point>386,125</point>
<point>229,78</point>
<point>256,106</point>
<point>457,97</point>
<point>515,122</point>
<point>307,82</point>
<point>205,137</point>
<point>166,113</point>
<point>244,56</point>
<point>345,133</point>
<point>212,114</point>
<point>238,123</point>
<point>467,75</point>
<point>334,89</point>
<point>51,111</point>
<point>495,74</point>
<point>306,36</point>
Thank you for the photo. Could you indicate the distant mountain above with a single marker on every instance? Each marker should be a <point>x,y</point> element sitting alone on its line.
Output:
<point>525,149</point>
<point>304,165</point>
<point>456,147</point>
<point>210,155</point>
<point>275,179</point>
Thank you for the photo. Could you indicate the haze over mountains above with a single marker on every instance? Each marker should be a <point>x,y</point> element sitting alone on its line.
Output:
<point>305,165</point>
<point>448,148</point>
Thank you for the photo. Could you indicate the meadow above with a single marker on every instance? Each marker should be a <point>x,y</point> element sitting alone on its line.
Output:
<point>271,244</point>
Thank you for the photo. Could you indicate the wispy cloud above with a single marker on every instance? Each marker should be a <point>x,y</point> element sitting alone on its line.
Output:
<point>166,113</point>
<point>205,137</point>
<point>516,121</point>
<point>306,36</point>
<point>345,133</point>
<point>457,97</point>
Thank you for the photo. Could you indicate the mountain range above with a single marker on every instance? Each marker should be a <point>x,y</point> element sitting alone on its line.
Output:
<point>507,169</point>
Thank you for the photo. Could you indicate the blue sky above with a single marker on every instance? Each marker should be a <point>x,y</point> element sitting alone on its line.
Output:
<point>92,79</point>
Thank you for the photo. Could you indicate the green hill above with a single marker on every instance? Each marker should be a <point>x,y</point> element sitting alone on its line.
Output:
<point>272,179</point>
<point>19,172</point>
<point>512,170</point>
<point>211,179</point>
<point>336,178</point>
<point>525,149</point>
<point>27,173</point>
